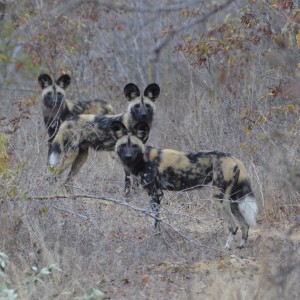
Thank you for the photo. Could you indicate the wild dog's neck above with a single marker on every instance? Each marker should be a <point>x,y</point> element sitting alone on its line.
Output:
<point>65,112</point>
<point>150,153</point>
<point>133,120</point>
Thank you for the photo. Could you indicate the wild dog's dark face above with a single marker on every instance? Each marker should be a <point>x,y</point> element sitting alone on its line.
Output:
<point>129,149</point>
<point>129,146</point>
<point>53,93</point>
<point>141,107</point>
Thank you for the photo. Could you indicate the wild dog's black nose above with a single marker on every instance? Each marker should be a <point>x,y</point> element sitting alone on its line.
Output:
<point>127,156</point>
<point>143,112</point>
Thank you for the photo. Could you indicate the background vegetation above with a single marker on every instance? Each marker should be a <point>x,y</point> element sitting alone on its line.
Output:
<point>229,75</point>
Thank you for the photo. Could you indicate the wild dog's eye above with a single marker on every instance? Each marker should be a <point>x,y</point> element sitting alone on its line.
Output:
<point>148,105</point>
<point>59,94</point>
<point>49,94</point>
<point>135,146</point>
<point>137,105</point>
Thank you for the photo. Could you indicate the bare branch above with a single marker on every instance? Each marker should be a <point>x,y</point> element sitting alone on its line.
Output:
<point>57,13</point>
<point>155,52</point>
<point>142,9</point>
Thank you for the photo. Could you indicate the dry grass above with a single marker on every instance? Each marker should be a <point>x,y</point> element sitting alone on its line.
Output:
<point>114,248</point>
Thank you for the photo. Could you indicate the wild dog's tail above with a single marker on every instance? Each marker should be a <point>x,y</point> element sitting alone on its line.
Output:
<point>244,195</point>
<point>55,153</point>
<point>65,143</point>
<point>56,148</point>
<point>248,208</point>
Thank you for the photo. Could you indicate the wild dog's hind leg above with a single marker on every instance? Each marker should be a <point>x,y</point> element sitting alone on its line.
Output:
<point>77,164</point>
<point>223,207</point>
<point>244,225</point>
<point>223,183</point>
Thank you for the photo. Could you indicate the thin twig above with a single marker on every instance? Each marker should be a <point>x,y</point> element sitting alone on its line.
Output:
<point>78,215</point>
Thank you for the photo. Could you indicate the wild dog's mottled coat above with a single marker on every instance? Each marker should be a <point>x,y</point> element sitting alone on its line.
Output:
<point>57,109</point>
<point>76,136</point>
<point>166,169</point>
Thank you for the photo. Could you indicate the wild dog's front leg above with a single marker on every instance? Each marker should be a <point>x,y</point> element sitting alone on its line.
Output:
<point>127,184</point>
<point>151,182</point>
<point>49,151</point>
<point>155,205</point>
<point>131,184</point>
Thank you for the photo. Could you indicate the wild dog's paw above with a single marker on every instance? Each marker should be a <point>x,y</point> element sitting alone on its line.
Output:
<point>52,169</point>
<point>128,194</point>
<point>242,244</point>
<point>229,241</point>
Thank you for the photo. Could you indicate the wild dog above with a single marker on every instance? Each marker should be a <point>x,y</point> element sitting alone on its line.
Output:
<point>57,109</point>
<point>167,169</point>
<point>74,138</point>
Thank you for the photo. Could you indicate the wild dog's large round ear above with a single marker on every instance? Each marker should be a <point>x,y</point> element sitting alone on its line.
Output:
<point>44,80</point>
<point>118,129</point>
<point>141,131</point>
<point>152,91</point>
<point>131,91</point>
<point>64,81</point>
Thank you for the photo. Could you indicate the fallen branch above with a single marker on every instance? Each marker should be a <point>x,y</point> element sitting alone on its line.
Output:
<point>121,202</point>
<point>147,212</point>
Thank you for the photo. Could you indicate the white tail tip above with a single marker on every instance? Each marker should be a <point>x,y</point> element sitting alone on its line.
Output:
<point>53,159</point>
<point>248,208</point>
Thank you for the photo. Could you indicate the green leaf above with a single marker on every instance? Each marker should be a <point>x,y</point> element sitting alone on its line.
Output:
<point>4,57</point>
<point>10,294</point>
<point>54,267</point>
<point>2,274</point>
<point>45,271</point>
<point>37,279</point>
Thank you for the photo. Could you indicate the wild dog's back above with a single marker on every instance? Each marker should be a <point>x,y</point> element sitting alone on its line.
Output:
<point>95,107</point>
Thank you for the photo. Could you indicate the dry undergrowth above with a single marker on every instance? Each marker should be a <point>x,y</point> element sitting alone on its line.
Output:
<point>100,243</point>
